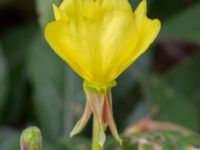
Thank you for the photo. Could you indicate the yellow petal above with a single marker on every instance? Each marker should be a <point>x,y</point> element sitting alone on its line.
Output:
<point>93,46</point>
<point>147,30</point>
<point>64,44</point>
<point>59,14</point>
<point>121,5</point>
<point>94,7</point>
<point>71,7</point>
<point>118,40</point>
<point>147,36</point>
<point>140,14</point>
<point>101,38</point>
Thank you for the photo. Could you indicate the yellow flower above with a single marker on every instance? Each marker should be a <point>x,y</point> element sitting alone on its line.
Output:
<point>99,39</point>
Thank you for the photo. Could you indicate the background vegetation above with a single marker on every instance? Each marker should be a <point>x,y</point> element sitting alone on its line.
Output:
<point>37,88</point>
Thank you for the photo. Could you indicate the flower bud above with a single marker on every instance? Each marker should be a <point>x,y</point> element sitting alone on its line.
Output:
<point>31,139</point>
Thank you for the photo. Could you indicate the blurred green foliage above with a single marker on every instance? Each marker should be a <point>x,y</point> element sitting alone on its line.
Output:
<point>37,88</point>
<point>167,140</point>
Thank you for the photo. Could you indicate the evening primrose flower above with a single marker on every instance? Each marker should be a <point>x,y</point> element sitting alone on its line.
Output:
<point>99,39</point>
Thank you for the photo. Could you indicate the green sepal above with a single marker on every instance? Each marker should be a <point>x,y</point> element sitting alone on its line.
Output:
<point>97,87</point>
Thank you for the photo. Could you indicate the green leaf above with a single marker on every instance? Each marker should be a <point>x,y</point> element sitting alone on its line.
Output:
<point>129,87</point>
<point>77,143</point>
<point>9,139</point>
<point>45,11</point>
<point>158,139</point>
<point>166,140</point>
<point>46,73</point>
<point>184,79</point>
<point>140,111</point>
<point>74,99</point>
<point>165,9</point>
<point>127,94</point>
<point>185,26</point>
<point>136,71</point>
<point>15,45</point>
<point>48,145</point>
<point>158,93</point>
<point>3,82</point>
<point>58,96</point>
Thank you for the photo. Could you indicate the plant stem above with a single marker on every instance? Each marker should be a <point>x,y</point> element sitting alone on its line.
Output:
<point>95,144</point>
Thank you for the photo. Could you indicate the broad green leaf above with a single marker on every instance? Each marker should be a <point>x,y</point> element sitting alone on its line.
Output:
<point>48,145</point>
<point>140,111</point>
<point>166,140</point>
<point>74,100</point>
<point>77,143</point>
<point>184,79</point>
<point>45,11</point>
<point>126,93</point>
<point>9,139</point>
<point>158,93</point>
<point>15,45</point>
<point>141,66</point>
<point>3,82</point>
<point>166,8</point>
<point>46,74</point>
<point>58,96</point>
<point>156,140</point>
<point>185,26</point>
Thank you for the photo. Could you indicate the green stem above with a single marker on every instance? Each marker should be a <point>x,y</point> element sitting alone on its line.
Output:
<point>95,144</point>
